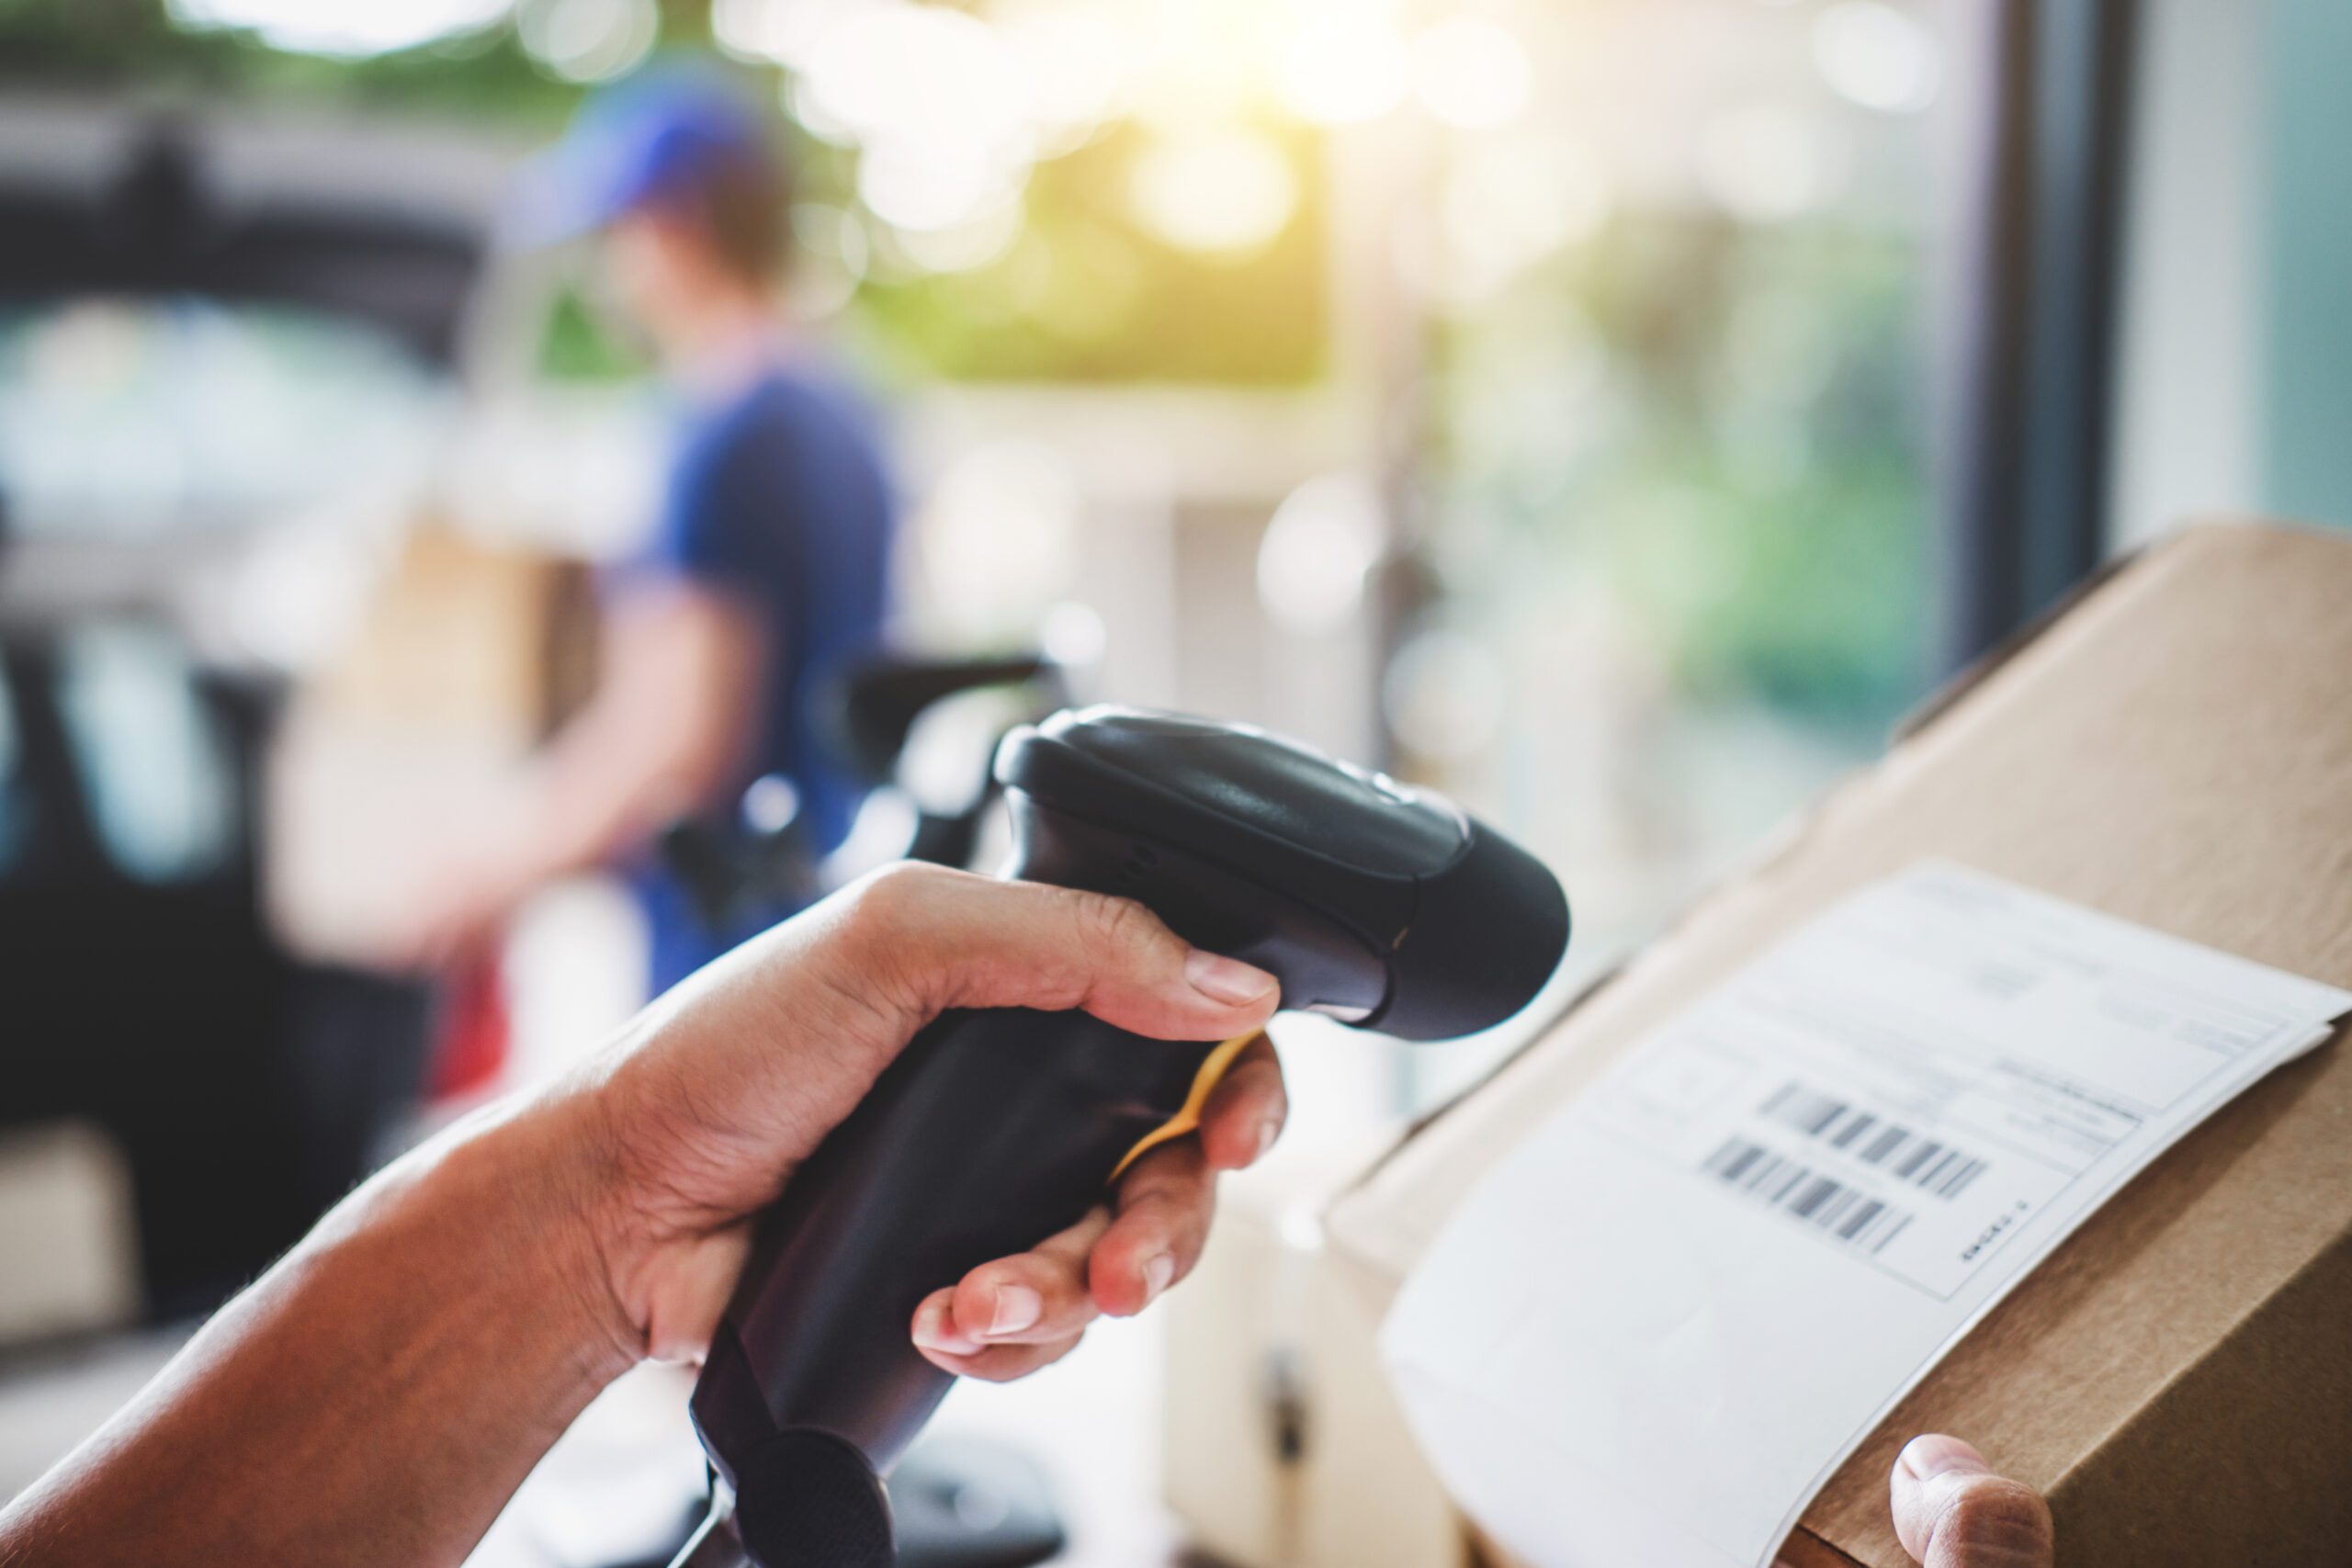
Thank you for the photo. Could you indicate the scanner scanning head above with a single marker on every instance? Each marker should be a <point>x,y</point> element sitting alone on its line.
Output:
<point>1381,904</point>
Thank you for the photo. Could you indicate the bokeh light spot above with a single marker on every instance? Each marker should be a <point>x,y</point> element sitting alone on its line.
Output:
<point>1877,56</point>
<point>1319,552</point>
<point>1345,64</point>
<point>1225,189</point>
<point>587,41</point>
<point>1471,74</point>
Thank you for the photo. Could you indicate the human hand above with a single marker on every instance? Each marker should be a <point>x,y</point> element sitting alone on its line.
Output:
<point>717,1093</point>
<point>426,1343</point>
<point>1951,1511</point>
<point>451,919</point>
<point>1006,1319</point>
<point>447,900</point>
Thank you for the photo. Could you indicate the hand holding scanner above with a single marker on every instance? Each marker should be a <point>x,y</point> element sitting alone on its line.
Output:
<point>1379,905</point>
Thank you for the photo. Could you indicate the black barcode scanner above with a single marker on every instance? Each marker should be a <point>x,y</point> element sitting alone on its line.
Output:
<point>1379,905</point>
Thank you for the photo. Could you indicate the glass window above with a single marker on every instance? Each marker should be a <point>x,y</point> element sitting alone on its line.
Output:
<point>1673,484</point>
<point>156,774</point>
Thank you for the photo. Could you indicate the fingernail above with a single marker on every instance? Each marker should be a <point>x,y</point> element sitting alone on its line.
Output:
<point>1936,1454</point>
<point>936,1330</point>
<point>1156,1275</point>
<point>1268,1131</point>
<point>1017,1307</point>
<point>1227,980</point>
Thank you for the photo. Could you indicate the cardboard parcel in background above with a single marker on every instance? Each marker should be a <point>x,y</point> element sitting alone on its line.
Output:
<point>2175,748</point>
<point>468,656</point>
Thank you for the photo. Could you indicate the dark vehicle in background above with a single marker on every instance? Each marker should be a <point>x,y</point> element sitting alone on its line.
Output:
<point>213,333</point>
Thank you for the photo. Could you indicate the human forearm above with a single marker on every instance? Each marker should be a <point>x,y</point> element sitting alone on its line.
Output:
<point>608,785</point>
<point>375,1397</point>
<point>667,726</point>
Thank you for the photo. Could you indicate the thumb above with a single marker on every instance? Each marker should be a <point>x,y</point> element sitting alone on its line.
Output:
<point>946,939</point>
<point>1951,1511</point>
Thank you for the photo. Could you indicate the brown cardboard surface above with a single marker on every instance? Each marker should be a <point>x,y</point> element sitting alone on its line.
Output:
<point>466,658</point>
<point>466,639</point>
<point>1284,1448</point>
<point>2176,750</point>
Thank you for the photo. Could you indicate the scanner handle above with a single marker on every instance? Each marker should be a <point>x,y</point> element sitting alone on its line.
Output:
<point>993,1131</point>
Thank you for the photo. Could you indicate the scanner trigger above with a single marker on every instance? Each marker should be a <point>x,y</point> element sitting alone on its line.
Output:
<point>1188,1119</point>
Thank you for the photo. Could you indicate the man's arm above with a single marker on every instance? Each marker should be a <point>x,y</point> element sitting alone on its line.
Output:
<point>670,719</point>
<point>379,1394</point>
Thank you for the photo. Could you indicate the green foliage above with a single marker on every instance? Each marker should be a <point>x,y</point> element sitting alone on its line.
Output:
<point>132,45</point>
<point>1086,296</point>
<point>1741,458</point>
<point>579,344</point>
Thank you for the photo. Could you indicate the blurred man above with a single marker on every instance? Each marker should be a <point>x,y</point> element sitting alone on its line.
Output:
<point>767,567</point>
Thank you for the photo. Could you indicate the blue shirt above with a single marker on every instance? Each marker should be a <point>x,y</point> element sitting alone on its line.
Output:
<point>777,500</point>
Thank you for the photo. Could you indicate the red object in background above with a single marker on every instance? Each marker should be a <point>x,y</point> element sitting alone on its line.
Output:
<point>470,1045</point>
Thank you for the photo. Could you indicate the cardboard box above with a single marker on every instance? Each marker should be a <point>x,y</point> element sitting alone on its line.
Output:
<point>2174,746</point>
<point>485,644</point>
<point>1284,1447</point>
<point>468,656</point>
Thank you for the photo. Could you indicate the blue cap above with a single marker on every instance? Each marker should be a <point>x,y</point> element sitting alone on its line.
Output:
<point>656,140</point>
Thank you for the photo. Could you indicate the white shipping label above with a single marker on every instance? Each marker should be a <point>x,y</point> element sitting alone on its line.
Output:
<point>1661,1323</point>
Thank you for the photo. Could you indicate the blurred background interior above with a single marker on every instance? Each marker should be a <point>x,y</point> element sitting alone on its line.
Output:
<point>1615,413</point>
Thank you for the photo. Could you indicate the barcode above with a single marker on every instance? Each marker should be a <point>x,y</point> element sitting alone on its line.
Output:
<point>1852,1216</point>
<point>1925,1163</point>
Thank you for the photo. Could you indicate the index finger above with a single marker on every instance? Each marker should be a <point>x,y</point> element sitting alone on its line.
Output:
<point>1246,1112</point>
